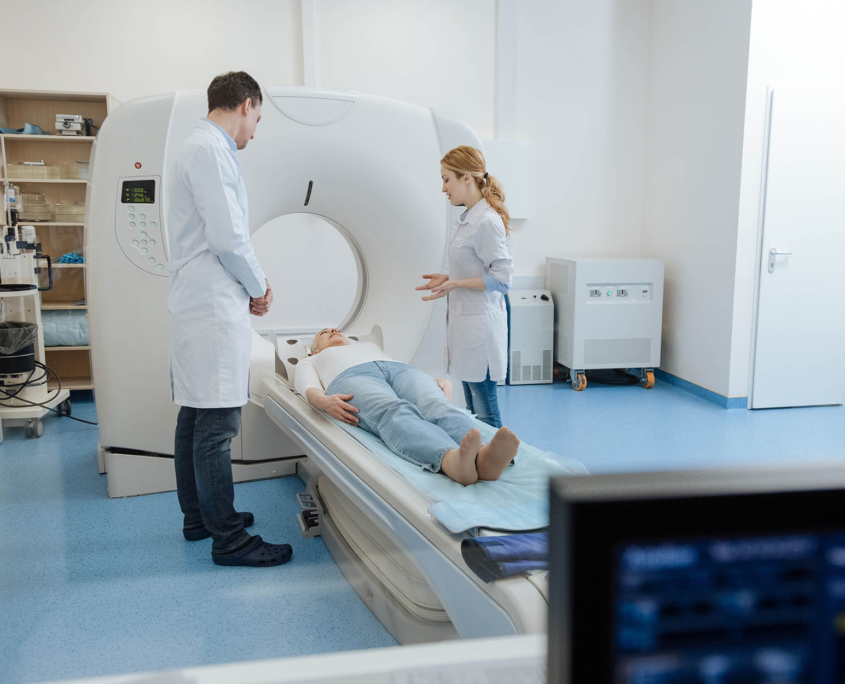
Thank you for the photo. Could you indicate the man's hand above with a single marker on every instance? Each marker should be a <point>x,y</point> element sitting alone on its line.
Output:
<point>446,386</point>
<point>259,306</point>
<point>337,407</point>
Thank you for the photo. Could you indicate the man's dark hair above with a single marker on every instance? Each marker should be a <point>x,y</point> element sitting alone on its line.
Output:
<point>228,91</point>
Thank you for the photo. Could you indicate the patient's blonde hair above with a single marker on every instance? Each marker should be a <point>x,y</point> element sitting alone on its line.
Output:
<point>465,159</point>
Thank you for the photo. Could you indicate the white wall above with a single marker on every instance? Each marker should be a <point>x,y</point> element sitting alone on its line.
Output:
<point>435,53</point>
<point>582,77</point>
<point>790,44</point>
<point>133,49</point>
<point>581,81</point>
<point>697,87</point>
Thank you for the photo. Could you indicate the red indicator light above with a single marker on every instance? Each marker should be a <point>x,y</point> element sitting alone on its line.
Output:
<point>137,165</point>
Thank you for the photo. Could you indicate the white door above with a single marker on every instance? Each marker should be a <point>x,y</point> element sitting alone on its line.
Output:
<point>799,346</point>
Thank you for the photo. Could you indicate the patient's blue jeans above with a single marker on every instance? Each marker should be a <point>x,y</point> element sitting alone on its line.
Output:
<point>406,409</point>
<point>482,399</point>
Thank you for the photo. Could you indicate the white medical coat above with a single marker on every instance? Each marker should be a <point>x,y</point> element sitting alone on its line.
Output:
<point>214,273</point>
<point>477,329</point>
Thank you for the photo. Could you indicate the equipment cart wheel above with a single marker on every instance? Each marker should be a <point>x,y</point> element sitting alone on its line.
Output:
<point>33,428</point>
<point>64,408</point>
<point>648,379</point>
<point>579,382</point>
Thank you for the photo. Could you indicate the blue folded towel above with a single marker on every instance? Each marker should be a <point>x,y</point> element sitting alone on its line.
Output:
<point>28,129</point>
<point>493,558</point>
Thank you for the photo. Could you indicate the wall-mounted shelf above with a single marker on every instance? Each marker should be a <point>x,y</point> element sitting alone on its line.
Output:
<point>46,180</point>
<point>14,137</point>
<point>56,306</point>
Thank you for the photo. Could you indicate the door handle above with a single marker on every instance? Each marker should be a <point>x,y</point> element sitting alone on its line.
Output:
<point>773,255</point>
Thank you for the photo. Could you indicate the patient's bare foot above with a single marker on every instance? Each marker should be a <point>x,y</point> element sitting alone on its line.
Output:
<point>494,457</point>
<point>459,464</point>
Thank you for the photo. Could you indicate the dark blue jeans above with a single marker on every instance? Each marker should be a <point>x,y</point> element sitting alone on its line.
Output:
<point>204,474</point>
<point>483,400</point>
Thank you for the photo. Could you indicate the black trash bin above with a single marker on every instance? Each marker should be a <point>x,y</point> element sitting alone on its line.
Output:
<point>17,347</point>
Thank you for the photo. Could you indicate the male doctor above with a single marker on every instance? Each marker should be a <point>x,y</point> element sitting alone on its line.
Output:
<point>216,282</point>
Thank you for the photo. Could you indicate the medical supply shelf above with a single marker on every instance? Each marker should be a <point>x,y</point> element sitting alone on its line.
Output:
<point>57,237</point>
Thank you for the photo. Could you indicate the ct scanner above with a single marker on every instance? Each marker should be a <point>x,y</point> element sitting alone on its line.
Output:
<point>368,165</point>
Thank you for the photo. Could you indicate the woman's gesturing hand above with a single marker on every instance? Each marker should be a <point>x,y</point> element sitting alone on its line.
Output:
<point>434,280</point>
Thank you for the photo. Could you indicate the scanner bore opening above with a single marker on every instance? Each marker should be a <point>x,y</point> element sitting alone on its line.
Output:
<point>317,271</point>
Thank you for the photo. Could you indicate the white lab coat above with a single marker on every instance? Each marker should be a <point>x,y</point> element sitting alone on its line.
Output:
<point>214,273</point>
<point>477,329</point>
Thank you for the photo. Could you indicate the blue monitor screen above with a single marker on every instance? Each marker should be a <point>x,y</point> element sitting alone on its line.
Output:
<point>730,610</point>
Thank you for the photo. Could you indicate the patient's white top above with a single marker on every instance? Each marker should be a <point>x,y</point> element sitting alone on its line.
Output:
<point>320,369</point>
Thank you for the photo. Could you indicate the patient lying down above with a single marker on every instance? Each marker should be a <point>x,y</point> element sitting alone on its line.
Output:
<point>410,411</point>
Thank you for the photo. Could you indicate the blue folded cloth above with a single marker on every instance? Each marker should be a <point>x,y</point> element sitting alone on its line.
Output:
<point>71,258</point>
<point>28,129</point>
<point>493,558</point>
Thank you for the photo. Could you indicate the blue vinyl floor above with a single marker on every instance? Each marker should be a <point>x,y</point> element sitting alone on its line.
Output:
<point>91,586</point>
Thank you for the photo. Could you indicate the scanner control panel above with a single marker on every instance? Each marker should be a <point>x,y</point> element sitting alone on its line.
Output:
<point>138,223</point>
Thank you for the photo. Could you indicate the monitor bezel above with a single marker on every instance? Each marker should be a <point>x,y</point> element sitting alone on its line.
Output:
<point>586,533</point>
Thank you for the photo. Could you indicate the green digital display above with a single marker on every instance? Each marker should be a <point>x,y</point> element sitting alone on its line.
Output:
<point>138,192</point>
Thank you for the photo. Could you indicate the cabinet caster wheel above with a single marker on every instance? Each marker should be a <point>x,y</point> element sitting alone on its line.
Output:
<point>33,429</point>
<point>64,408</point>
<point>579,383</point>
<point>648,379</point>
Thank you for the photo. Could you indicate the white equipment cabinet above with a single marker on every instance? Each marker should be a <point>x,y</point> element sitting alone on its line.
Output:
<point>608,314</point>
<point>531,337</point>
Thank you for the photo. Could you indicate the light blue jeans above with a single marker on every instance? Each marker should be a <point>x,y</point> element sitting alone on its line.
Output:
<point>482,399</point>
<point>406,409</point>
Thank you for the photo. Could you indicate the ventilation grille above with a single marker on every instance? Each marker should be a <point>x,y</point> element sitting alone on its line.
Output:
<point>617,353</point>
<point>537,372</point>
<point>526,373</point>
<point>547,365</point>
<point>516,366</point>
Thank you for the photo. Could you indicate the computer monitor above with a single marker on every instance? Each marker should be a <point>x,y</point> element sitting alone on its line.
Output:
<point>706,577</point>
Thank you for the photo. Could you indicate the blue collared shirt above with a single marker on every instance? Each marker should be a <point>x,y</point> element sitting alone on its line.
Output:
<point>231,143</point>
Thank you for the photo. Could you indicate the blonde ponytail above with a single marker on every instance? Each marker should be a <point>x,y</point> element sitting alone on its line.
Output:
<point>493,192</point>
<point>468,160</point>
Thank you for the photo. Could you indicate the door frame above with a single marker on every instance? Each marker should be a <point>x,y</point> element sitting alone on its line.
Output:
<point>761,226</point>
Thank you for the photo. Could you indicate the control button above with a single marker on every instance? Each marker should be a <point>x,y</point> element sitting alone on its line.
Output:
<point>159,267</point>
<point>131,217</point>
<point>143,234</point>
<point>143,243</point>
<point>144,250</point>
<point>130,208</point>
<point>152,243</point>
<point>132,224</point>
<point>151,260</point>
<point>134,243</point>
<point>143,225</point>
<point>142,216</point>
<point>152,224</point>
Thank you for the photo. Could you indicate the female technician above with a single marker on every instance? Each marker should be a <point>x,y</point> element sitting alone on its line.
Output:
<point>480,271</point>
